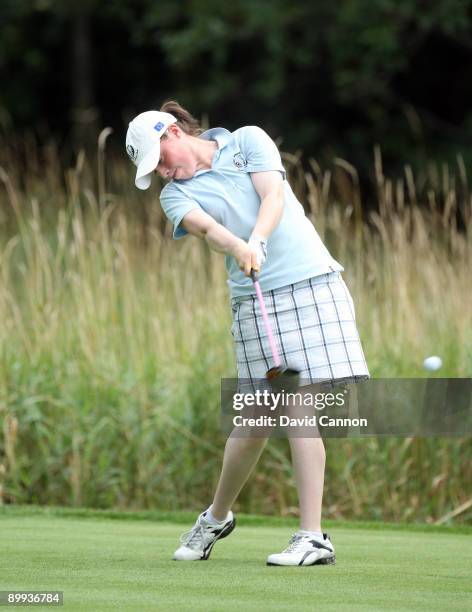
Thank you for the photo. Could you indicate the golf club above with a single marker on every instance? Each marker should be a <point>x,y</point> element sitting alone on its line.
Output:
<point>277,373</point>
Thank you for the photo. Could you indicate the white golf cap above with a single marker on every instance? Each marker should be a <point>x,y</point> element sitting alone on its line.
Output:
<point>143,143</point>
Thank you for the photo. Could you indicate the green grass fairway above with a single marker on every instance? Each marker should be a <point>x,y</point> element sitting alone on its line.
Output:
<point>103,561</point>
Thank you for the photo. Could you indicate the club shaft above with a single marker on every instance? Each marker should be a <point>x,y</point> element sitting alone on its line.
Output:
<point>265,317</point>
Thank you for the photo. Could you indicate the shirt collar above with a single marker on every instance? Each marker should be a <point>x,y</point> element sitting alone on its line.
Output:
<point>221,135</point>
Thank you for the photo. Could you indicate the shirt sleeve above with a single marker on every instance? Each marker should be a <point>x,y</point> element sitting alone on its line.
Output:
<point>259,150</point>
<point>175,206</point>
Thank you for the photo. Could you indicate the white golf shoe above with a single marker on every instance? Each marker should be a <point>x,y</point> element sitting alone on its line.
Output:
<point>197,543</point>
<point>304,549</point>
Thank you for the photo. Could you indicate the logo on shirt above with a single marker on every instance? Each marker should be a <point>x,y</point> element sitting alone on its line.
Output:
<point>132,152</point>
<point>239,161</point>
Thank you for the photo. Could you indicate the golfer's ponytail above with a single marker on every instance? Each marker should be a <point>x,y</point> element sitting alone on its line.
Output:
<point>185,121</point>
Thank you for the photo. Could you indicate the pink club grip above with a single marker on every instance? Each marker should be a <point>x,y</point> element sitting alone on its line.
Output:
<point>265,316</point>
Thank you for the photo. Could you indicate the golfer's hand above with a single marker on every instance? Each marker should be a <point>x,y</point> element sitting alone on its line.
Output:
<point>247,258</point>
<point>259,243</point>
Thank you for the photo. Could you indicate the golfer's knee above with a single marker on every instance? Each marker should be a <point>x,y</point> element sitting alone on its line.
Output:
<point>321,450</point>
<point>247,442</point>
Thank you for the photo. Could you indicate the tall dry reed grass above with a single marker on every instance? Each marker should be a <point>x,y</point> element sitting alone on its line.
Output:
<point>114,338</point>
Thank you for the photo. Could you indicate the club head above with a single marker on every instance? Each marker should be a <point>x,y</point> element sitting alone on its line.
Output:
<point>283,379</point>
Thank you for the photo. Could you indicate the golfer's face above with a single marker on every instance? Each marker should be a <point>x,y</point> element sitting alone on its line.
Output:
<point>176,160</point>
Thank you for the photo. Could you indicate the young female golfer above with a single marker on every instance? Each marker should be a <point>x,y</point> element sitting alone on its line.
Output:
<point>229,188</point>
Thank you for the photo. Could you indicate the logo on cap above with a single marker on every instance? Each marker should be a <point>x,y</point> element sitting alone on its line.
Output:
<point>132,152</point>
<point>158,127</point>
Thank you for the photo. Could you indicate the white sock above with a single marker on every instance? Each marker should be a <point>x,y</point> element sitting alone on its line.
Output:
<point>211,519</point>
<point>312,534</point>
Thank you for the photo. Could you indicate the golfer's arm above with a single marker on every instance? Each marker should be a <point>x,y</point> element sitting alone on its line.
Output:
<point>200,224</point>
<point>270,189</point>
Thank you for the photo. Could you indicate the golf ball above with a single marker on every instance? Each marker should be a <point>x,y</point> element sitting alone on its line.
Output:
<point>432,363</point>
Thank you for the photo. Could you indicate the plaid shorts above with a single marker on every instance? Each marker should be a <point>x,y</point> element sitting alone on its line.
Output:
<point>313,322</point>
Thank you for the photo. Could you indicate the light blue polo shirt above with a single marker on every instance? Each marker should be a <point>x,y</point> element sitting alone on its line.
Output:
<point>295,252</point>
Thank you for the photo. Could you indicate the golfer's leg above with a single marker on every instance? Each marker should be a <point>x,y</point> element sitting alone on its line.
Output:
<point>241,455</point>
<point>308,460</point>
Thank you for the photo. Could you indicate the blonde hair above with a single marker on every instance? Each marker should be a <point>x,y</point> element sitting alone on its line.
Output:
<point>186,122</point>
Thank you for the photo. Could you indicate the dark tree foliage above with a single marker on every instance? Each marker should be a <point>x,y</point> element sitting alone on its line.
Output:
<point>330,78</point>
